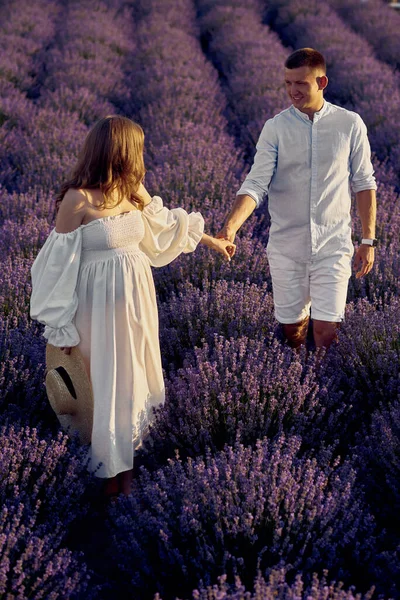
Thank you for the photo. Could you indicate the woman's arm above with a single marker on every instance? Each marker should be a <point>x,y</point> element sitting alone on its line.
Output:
<point>69,217</point>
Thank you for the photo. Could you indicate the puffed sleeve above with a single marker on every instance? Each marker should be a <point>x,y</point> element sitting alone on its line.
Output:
<point>168,233</point>
<point>54,276</point>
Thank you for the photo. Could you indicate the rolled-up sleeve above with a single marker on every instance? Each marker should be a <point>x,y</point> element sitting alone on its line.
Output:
<point>361,169</point>
<point>257,181</point>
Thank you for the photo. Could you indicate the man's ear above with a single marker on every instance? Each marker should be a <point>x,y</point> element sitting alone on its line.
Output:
<point>322,82</point>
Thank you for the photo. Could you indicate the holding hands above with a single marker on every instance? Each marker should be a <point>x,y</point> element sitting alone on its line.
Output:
<point>227,233</point>
<point>223,246</point>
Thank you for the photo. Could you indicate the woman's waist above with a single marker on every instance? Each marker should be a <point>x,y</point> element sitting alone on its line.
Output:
<point>90,255</point>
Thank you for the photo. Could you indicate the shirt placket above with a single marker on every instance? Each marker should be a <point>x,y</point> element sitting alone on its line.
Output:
<point>314,187</point>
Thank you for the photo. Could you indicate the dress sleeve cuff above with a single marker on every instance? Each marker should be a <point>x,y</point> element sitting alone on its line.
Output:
<point>195,231</point>
<point>62,337</point>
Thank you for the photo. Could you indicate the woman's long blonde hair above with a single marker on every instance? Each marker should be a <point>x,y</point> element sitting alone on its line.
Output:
<point>111,159</point>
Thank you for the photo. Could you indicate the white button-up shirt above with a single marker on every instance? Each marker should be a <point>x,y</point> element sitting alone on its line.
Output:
<point>308,170</point>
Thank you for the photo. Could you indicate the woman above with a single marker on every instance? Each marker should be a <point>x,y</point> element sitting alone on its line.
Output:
<point>92,286</point>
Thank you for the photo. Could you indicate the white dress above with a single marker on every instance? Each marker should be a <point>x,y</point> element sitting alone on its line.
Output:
<point>94,288</point>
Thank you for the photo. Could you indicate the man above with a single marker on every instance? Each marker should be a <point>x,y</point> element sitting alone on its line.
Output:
<point>309,157</point>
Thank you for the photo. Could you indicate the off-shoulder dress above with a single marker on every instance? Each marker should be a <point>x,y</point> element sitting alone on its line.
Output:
<point>94,288</point>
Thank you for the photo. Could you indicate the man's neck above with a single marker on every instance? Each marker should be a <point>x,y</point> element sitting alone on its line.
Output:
<point>310,112</point>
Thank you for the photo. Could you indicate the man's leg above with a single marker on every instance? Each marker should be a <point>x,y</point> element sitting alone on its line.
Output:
<point>291,291</point>
<point>296,333</point>
<point>325,332</point>
<point>329,279</point>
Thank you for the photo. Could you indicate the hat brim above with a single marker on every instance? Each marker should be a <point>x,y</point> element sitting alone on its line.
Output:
<point>74,412</point>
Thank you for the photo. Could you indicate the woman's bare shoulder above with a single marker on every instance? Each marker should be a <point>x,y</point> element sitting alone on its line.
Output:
<point>72,211</point>
<point>144,194</point>
<point>75,199</point>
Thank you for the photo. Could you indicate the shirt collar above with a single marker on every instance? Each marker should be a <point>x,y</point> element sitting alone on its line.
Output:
<point>317,115</point>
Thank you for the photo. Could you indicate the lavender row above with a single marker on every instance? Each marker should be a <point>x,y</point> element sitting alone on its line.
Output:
<point>26,32</point>
<point>176,97</point>
<point>377,22</point>
<point>85,68</point>
<point>358,80</point>
<point>41,139</point>
<point>247,384</point>
<point>27,131</point>
<point>252,71</point>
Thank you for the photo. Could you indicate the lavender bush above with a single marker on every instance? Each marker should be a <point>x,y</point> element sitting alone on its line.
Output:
<point>242,389</point>
<point>235,512</point>
<point>22,370</point>
<point>232,308</point>
<point>277,586</point>
<point>42,487</point>
<point>237,390</point>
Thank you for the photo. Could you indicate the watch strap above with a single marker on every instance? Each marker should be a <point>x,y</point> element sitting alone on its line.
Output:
<point>369,241</point>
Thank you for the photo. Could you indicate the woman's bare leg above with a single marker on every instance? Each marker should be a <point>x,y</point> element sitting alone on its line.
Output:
<point>111,486</point>
<point>125,482</point>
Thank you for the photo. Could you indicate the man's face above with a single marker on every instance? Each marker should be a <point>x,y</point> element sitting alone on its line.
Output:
<point>303,86</point>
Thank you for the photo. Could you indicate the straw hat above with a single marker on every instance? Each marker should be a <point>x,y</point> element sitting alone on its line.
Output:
<point>69,391</point>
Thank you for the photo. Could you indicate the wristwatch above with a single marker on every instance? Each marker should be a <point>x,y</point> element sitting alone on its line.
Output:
<point>369,241</point>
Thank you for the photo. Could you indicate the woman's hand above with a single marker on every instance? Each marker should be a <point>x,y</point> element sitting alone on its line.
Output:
<point>66,350</point>
<point>224,247</point>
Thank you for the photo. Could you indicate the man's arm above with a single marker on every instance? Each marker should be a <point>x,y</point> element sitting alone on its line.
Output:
<point>365,255</point>
<point>255,186</point>
<point>242,208</point>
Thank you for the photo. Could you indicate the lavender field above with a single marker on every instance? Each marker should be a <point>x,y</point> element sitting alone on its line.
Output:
<point>268,475</point>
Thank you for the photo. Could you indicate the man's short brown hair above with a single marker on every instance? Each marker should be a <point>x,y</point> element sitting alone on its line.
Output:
<point>306,57</point>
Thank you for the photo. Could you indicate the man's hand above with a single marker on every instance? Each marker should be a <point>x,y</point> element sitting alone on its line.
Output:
<point>242,208</point>
<point>226,233</point>
<point>364,260</point>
